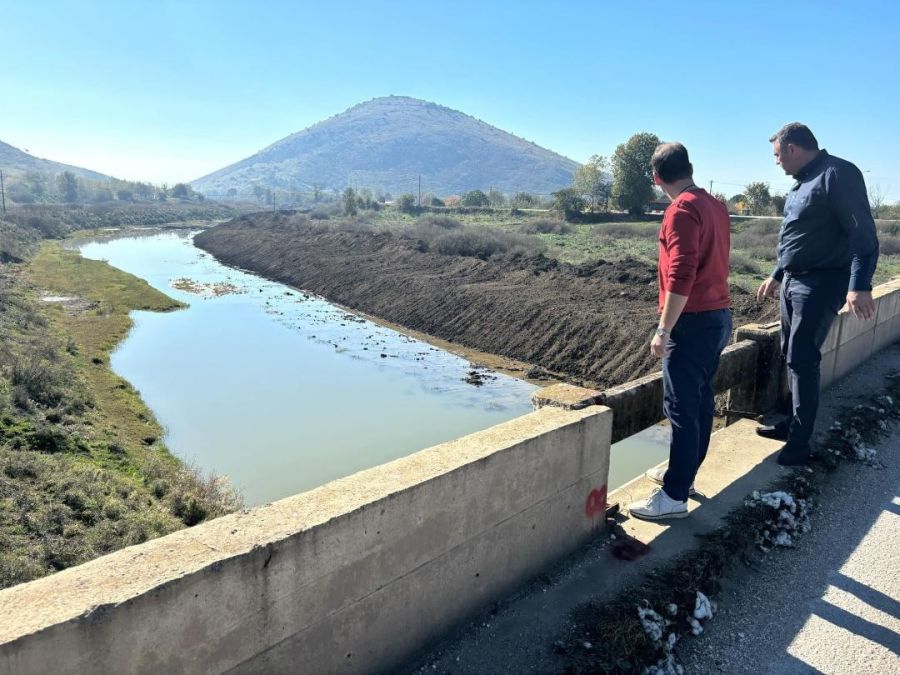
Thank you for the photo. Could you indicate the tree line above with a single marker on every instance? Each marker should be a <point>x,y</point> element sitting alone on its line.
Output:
<point>625,182</point>
<point>35,187</point>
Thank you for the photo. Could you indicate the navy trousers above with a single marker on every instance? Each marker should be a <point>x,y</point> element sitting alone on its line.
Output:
<point>809,303</point>
<point>695,345</point>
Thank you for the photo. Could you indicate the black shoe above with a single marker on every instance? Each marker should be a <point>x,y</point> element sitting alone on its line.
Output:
<point>794,455</point>
<point>777,432</point>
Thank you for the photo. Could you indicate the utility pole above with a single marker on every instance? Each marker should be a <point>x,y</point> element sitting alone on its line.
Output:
<point>420,191</point>
<point>2,192</point>
<point>710,187</point>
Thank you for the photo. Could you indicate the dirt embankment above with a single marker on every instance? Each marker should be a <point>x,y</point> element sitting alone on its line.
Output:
<point>589,324</point>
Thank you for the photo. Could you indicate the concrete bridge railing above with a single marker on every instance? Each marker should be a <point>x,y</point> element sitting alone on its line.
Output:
<point>359,574</point>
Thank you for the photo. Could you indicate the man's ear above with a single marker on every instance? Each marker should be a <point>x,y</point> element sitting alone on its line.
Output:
<point>656,179</point>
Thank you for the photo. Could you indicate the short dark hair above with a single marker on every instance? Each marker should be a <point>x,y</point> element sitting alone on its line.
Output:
<point>797,134</point>
<point>670,162</point>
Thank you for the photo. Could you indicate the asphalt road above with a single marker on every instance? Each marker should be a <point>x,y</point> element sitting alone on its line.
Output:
<point>832,605</point>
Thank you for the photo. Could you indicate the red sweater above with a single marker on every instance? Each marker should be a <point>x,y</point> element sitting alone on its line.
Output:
<point>694,241</point>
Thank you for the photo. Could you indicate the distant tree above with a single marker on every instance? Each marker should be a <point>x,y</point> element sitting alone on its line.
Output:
<point>524,200</point>
<point>19,192</point>
<point>68,186</point>
<point>365,199</point>
<point>101,194</point>
<point>632,187</point>
<point>125,195</point>
<point>268,194</point>
<point>258,191</point>
<point>406,203</point>
<point>496,199</point>
<point>737,204</point>
<point>231,193</point>
<point>778,204</point>
<point>38,184</point>
<point>181,191</point>
<point>475,198</point>
<point>758,198</point>
<point>349,202</point>
<point>594,181</point>
<point>435,201</point>
<point>877,198</point>
<point>721,197</point>
<point>144,191</point>
<point>569,203</point>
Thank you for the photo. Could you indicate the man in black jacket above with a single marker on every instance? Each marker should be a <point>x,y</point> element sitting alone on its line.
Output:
<point>827,252</point>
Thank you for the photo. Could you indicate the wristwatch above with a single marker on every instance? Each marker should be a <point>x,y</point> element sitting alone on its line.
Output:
<point>661,332</point>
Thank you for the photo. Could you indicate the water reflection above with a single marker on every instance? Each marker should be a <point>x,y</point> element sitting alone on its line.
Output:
<point>279,389</point>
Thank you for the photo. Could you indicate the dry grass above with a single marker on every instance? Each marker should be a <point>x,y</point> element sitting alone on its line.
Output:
<point>82,469</point>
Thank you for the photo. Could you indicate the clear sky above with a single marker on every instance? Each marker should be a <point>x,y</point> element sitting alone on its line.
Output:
<point>171,90</point>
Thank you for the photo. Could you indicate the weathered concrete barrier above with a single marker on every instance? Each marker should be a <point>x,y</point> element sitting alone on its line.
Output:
<point>637,404</point>
<point>852,341</point>
<point>352,577</point>
<point>849,343</point>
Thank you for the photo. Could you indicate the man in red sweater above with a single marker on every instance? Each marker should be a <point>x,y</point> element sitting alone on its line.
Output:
<point>694,325</point>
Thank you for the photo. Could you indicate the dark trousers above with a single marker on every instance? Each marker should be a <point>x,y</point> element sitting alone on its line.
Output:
<point>695,345</point>
<point>809,303</point>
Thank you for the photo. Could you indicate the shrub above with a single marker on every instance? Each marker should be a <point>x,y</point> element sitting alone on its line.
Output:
<point>354,225</point>
<point>890,245</point>
<point>891,227</point>
<point>39,373</point>
<point>475,198</point>
<point>406,203</point>
<point>483,242</point>
<point>758,239</point>
<point>439,221</point>
<point>568,203</point>
<point>648,230</point>
<point>546,226</point>
<point>742,263</point>
<point>319,214</point>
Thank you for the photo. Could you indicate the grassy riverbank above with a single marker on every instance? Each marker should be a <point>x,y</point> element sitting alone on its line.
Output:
<point>82,469</point>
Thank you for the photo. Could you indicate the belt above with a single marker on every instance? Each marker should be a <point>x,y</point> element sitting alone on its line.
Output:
<point>800,273</point>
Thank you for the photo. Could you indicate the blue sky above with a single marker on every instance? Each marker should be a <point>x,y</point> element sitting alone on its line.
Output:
<point>171,90</point>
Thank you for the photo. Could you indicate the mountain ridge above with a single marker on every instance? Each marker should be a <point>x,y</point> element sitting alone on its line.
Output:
<point>13,160</point>
<point>386,143</point>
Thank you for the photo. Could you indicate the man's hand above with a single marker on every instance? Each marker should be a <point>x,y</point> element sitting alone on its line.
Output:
<point>861,304</point>
<point>659,346</point>
<point>768,289</point>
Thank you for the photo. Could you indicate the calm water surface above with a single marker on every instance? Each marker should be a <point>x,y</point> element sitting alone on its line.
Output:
<point>282,391</point>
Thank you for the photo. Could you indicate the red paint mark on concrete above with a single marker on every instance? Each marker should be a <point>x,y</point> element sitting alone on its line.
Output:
<point>596,502</point>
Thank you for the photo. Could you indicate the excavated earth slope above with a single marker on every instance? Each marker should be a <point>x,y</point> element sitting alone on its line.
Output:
<point>589,324</point>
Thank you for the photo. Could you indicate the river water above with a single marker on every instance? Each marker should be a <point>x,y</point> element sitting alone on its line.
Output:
<point>282,391</point>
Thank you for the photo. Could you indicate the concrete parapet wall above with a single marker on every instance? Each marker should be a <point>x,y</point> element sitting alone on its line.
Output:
<point>637,405</point>
<point>354,576</point>
<point>852,341</point>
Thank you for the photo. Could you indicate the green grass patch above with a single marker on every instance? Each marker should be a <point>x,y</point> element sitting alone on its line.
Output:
<point>82,469</point>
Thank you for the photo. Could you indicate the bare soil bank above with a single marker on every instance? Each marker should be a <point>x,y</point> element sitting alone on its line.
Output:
<point>589,323</point>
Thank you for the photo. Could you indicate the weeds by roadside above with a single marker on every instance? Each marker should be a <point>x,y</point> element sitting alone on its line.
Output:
<point>82,468</point>
<point>638,631</point>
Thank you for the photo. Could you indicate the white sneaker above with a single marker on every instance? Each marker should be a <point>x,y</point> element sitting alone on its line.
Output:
<point>658,473</point>
<point>658,506</point>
